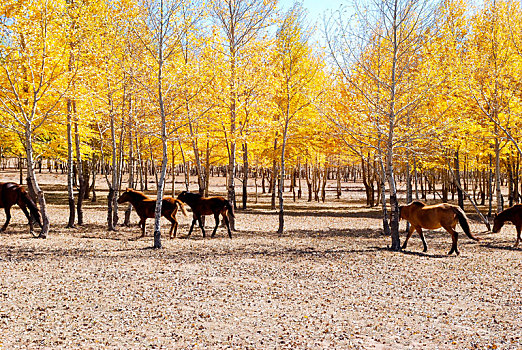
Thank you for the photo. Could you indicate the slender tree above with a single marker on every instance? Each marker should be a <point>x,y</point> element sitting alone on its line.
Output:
<point>241,21</point>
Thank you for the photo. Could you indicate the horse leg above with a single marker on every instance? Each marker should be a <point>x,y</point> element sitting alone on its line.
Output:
<point>519,228</point>
<point>24,209</point>
<point>216,217</point>
<point>142,225</point>
<point>412,228</point>
<point>7,218</point>
<point>201,225</point>
<point>192,226</point>
<point>173,226</point>
<point>454,239</point>
<point>225,219</point>
<point>421,234</point>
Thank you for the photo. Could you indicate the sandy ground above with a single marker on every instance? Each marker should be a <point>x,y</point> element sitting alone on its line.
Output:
<point>328,282</point>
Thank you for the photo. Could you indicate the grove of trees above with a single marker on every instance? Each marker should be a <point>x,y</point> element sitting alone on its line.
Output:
<point>428,91</point>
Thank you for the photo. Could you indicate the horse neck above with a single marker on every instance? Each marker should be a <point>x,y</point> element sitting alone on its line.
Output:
<point>192,198</point>
<point>505,215</point>
<point>135,197</point>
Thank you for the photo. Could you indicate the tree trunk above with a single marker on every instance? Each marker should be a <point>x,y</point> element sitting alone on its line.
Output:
<point>500,199</point>
<point>382,187</point>
<point>173,194</point>
<point>282,181</point>
<point>394,203</point>
<point>365,181</point>
<point>81,175</point>
<point>20,170</point>
<point>92,188</point>
<point>70,186</point>
<point>299,191</point>
<point>112,209</point>
<point>308,181</point>
<point>245,174</point>
<point>323,184</point>
<point>126,220</point>
<point>274,176</point>
<point>460,196</point>
<point>33,184</point>
<point>263,174</point>
<point>185,165</point>
<point>338,179</point>
<point>207,168</point>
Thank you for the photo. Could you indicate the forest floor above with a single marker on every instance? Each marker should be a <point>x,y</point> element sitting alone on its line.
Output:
<point>328,282</point>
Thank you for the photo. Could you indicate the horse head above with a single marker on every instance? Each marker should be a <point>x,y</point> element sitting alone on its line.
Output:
<point>125,196</point>
<point>497,224</point>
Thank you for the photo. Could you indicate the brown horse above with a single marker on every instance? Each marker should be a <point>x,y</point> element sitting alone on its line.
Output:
<point>432,217</point>
<point>513,214</point>
<point>145,208</point>
<point>12,193</point>
<point>206,206</point>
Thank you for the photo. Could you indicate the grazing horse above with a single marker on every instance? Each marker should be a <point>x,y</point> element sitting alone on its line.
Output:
<point>12,193</point>
<point>433,217</point>
<point>513,214</point>
<point>145,207</point>
<point>206,206</point>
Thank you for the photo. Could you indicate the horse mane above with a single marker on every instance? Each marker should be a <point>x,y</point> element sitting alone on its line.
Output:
<point>193,194</point>
<point>418,204</point>
<point>136,194</point>
<point>504,214</point>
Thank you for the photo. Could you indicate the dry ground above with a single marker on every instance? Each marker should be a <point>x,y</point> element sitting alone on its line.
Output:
<point>328,282</point>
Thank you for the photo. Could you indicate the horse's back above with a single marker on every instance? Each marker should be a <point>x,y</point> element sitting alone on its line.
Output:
<point>212,205</point>
<point>433,216</point>
<point>145,207</point>
<point>169,203</point>
<point>517,210</point>
<point>6,189</point>
<point>513,214</point>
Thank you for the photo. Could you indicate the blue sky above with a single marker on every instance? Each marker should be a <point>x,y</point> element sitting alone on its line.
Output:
<point>316,8</point>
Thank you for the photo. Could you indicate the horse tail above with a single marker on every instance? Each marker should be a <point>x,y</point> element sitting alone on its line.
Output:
<point>230,208</point>
<point>181,206</point>
<point>463,221</point>
<point>35,213</point>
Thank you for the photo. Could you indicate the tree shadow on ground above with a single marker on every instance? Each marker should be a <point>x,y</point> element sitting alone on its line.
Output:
<point>59,198</point>
<point>422,254</point>
<point>320,212</point>
<point>137,253</point>
<point>21,230</point>
<point>496,246</point>
<point>364,233</point>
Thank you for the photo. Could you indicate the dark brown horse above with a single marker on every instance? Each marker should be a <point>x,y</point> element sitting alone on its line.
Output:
<point>12,193</point>
<point>513,214</point>
<point>207,206</point>
<point>145,208</point>
<point>432,217</point>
